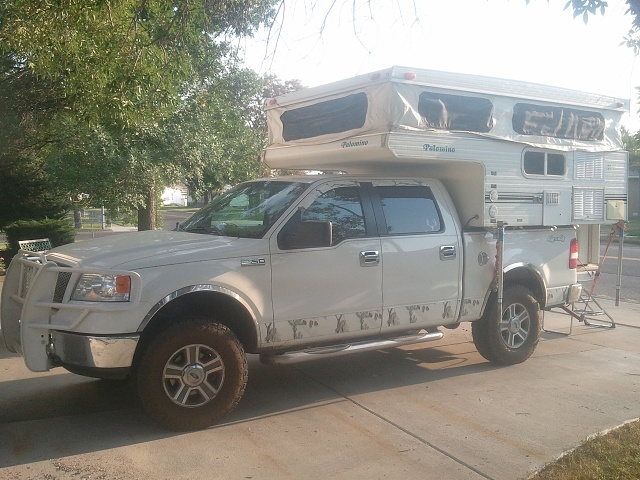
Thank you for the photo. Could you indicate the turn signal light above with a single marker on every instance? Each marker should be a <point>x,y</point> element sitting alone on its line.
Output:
<point>123,284</point>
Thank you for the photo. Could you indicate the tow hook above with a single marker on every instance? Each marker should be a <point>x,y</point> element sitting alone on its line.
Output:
<point>51,353</point>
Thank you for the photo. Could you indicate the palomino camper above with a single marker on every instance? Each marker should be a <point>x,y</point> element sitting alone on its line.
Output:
<point>507,151</point>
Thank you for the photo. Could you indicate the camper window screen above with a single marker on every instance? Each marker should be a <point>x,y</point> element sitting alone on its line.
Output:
<point>558,122</point>
<point>333,116</point>
<point>456,112</point>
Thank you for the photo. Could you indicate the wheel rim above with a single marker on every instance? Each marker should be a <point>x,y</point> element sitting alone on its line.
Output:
<point>193,376</point>
<point>515,325</point>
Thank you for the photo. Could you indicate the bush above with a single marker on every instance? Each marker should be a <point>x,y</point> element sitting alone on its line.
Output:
<point>60,232</point>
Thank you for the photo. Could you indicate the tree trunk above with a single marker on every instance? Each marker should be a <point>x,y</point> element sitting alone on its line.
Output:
<point>77,217</point>
<point>147,212</point>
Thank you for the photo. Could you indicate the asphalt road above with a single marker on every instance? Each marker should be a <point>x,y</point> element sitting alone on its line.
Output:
<point>171,217</point>
<point>630,279</point>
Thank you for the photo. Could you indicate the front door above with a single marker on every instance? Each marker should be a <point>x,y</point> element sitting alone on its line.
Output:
<point>333,291</point>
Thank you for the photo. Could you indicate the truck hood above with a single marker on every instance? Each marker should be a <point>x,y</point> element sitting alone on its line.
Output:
<point>154,248</point>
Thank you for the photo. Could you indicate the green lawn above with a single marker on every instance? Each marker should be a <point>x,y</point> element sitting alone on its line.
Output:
<point>633,228</point>
<point>613,456</point>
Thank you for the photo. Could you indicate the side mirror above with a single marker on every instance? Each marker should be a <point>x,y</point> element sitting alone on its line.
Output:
<point>310,235</point>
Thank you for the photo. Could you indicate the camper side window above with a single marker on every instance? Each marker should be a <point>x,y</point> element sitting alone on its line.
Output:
<point>455,112</point>
<point>332,116</point>
<point>544,163</point>
<point>558,122</point>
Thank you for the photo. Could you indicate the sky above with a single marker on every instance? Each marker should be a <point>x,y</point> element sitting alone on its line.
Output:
<point>539,42</point>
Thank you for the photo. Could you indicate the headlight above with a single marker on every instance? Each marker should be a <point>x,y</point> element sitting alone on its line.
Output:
<point>94,287</point>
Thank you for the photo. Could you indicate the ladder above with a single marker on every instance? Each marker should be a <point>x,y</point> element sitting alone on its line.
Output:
<point>587,307</point>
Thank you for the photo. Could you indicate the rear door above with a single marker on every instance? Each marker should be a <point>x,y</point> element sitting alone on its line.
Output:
<point>421,255</point>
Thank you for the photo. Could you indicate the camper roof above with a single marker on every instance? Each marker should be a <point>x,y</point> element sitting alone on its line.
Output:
<point>460,82</point>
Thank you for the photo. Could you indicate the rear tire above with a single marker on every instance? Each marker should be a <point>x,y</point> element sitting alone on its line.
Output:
<point>191,375</point>
<point>512,336</point>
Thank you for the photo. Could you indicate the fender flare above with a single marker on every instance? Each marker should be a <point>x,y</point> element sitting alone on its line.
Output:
<point>203,288</point>
<point>532,273</point>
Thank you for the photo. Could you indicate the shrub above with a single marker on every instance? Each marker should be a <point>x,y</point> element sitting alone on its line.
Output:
<point>59,232</point>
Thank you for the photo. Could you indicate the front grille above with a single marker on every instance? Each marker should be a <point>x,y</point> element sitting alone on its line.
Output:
<point>61,286</point>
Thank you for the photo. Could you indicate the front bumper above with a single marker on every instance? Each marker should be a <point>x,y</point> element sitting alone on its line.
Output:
<point>96,356</point>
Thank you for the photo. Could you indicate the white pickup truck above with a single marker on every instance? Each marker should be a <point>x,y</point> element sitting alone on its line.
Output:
<point>289,268</point>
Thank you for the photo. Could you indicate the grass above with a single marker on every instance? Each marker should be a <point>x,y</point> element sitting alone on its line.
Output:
<point>633,228</point>
<point>611,456</point>
<point>632,235</point>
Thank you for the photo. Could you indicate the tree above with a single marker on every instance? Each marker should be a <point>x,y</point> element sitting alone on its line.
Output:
<point>632,145</point>
<point>585,8</point>
<point>213,133</point>
<point>121,70</point>
<point>25,104</point>
<point>271,87</point>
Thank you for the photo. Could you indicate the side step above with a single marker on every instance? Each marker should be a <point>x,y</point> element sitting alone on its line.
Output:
<point>336,350</point>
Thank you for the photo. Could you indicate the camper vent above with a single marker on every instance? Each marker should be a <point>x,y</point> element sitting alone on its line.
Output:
<point>552,198</point>
<point>588,204</point>
<point>589,166</point>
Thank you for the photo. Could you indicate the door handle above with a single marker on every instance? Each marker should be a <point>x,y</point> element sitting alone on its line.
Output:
<point>370,258</point>
<point>447,252</point>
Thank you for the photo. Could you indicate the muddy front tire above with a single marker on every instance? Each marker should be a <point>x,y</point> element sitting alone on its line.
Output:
<point>191,375</point>
<point>510,336</point>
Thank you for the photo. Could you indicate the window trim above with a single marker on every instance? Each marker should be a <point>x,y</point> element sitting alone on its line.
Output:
<point>544,175</point>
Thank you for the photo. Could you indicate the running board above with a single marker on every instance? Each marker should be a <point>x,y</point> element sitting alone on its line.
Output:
<point>337,350</point>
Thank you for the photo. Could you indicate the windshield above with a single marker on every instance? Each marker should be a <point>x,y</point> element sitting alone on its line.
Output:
<point>247,210</point>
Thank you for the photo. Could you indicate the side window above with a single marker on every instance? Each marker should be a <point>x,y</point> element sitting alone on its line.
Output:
<point>544,163</point>
<point>409,210</point>
<point>557,122</point>
<point>332,116</point>
<point>455,112</point>
<point>343,208</point>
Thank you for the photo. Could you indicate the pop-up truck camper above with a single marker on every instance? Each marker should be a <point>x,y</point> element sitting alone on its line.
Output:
<point>444,199</point>
<point>523,154</point>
